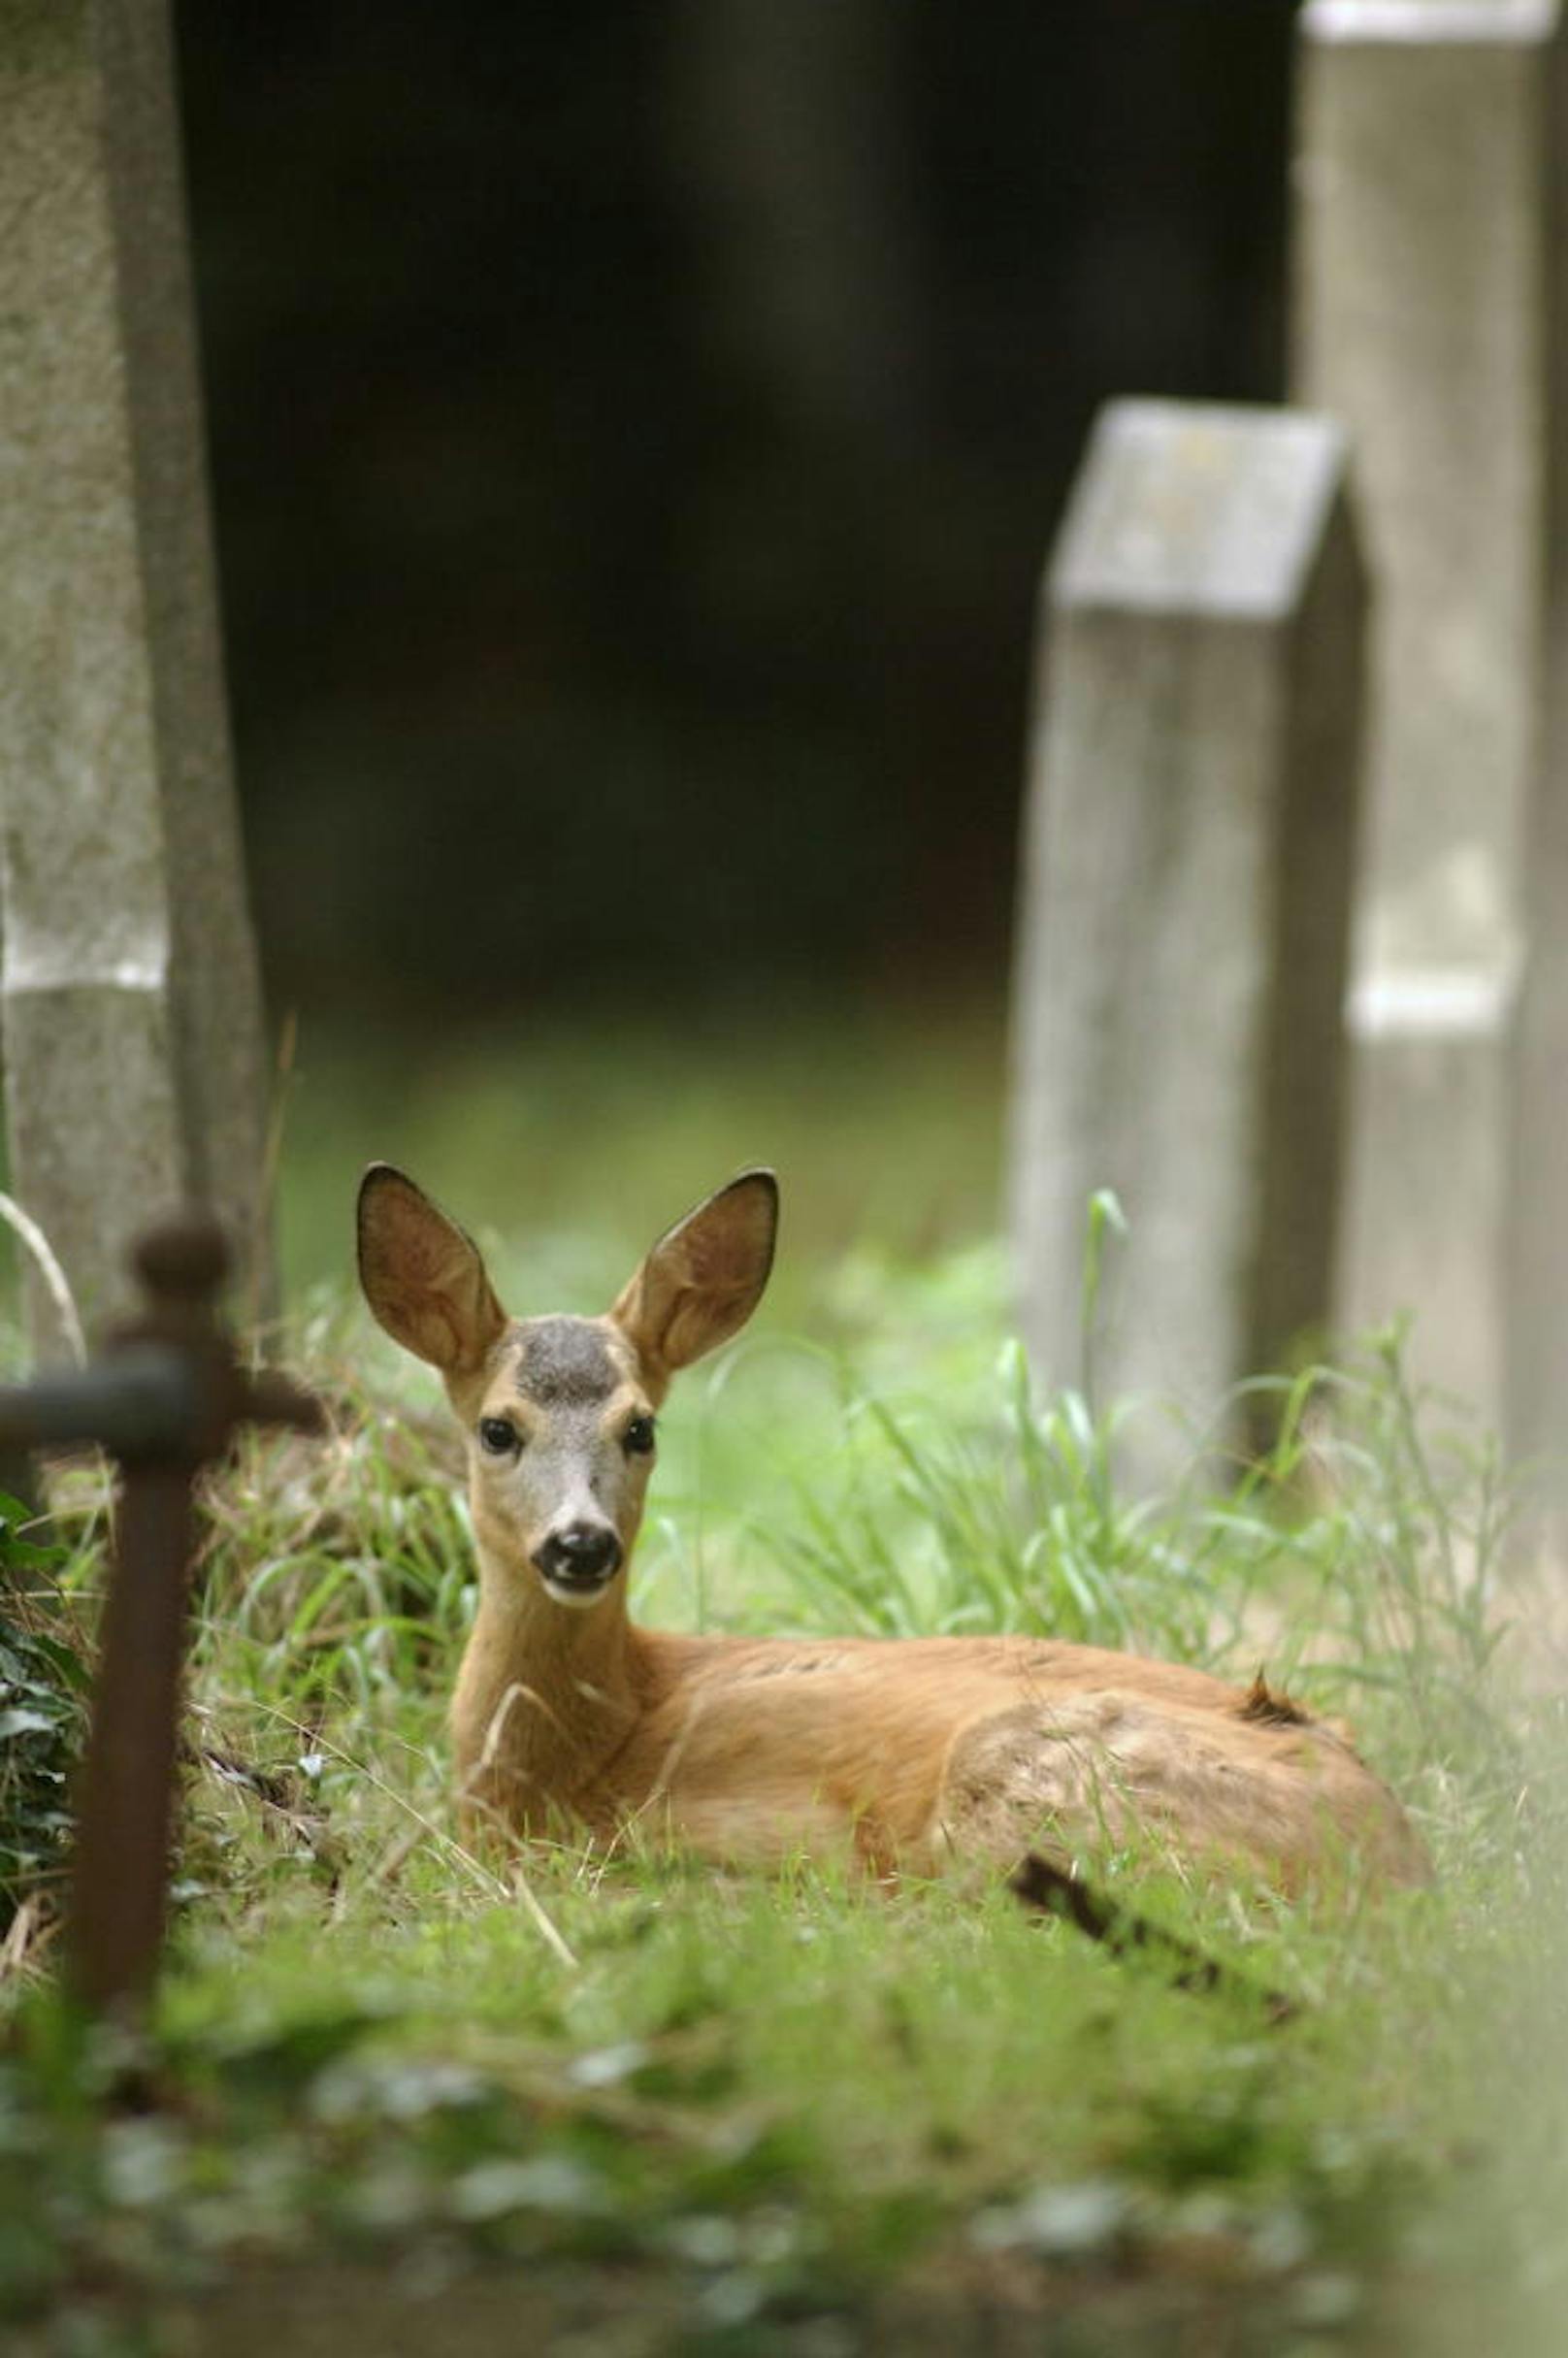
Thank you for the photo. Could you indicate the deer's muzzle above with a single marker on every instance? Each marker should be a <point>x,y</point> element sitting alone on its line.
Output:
<point>579,1560</point>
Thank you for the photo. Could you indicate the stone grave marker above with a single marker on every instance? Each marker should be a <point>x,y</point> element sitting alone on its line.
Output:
<point>1431,303</point>
<point>133,1039</point>
<point>1186,889</point>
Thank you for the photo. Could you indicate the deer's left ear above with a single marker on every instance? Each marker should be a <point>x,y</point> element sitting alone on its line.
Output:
<point>703,1278</point>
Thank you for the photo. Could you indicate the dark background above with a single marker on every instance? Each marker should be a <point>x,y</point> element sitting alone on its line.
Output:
<point>637,429</point>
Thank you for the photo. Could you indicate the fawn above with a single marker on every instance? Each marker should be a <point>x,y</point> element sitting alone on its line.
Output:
<point>908,1754</point>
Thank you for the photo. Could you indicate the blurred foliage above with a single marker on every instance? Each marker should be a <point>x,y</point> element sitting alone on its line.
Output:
<point>43,1717</point>
<point>636,432</point>
<point>569,1145</point>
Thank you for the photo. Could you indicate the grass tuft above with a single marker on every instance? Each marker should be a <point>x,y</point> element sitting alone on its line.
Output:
<point>770,2101</point>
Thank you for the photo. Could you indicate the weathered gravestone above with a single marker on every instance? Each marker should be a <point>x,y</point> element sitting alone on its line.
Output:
<point>132,1026</point>
<point>1431,308</point>
<point>1183,916</point>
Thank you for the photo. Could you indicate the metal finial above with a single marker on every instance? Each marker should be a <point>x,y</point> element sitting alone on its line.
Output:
<point>184,1259</point>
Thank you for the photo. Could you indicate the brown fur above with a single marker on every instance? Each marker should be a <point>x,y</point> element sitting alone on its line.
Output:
<point>1262,1702</point>
<point>912,1754</point>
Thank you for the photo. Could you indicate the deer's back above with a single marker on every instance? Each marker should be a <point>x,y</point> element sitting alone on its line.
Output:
<point>928,1751</point>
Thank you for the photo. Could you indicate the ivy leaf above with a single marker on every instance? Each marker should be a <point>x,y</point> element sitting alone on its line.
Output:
<point>20,1720</point>
<point>64,1660</point>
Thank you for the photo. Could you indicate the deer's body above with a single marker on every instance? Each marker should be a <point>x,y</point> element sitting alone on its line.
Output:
<point>914,1754</point>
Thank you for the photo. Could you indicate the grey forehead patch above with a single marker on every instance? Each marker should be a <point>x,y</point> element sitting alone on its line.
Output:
<point>566,1362</point>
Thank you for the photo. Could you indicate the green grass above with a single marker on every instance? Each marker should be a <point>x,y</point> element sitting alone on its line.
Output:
<point>760,2113</point>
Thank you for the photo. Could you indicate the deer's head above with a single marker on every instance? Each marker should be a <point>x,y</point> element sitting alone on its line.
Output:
<point>559,1414</point>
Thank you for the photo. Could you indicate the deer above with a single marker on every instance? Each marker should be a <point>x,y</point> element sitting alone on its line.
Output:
<point>903,1757</point>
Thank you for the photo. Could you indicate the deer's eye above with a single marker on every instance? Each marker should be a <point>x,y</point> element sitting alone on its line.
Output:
<point>499,1435</point>
<point>637,1438</point>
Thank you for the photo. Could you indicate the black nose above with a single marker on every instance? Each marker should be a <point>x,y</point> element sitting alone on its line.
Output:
<point>584,1552</point>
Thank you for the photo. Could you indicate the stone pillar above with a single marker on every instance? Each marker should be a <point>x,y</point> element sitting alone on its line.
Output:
<point>133,1036</point>
<point>1430,299</point>
<point>1185,907</point>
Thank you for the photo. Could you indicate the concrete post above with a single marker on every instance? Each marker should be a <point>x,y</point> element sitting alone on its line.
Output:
<point>1184,914</point>
<point>133,1036</point>
<point>1430,299</point>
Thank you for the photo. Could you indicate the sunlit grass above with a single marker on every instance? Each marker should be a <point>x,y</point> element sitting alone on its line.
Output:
<point>782,2093</point>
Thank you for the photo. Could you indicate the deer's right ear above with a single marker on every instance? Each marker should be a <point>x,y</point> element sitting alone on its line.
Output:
<point>422,1277</point>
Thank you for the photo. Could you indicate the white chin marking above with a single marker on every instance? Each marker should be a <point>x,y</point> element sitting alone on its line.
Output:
<point>577,1600</point>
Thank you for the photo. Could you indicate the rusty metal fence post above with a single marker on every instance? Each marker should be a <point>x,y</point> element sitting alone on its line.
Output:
<point>164,1398</point>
